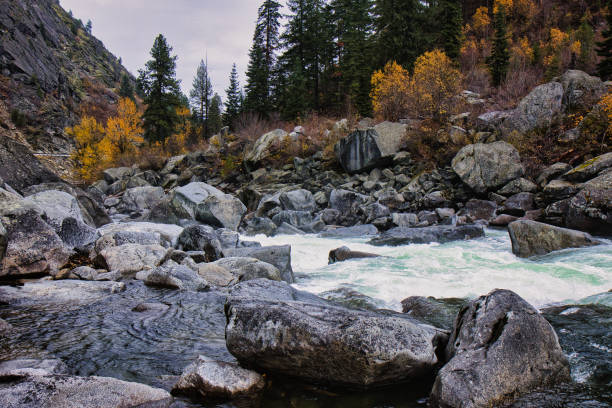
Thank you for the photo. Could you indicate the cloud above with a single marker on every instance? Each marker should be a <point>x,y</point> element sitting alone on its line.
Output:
<point>194,28</point>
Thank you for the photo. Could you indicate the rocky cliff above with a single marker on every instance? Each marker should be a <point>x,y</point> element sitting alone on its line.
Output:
<point>51,69</point>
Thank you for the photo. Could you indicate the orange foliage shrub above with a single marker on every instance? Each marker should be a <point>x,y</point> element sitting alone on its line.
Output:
<point>391,91</point>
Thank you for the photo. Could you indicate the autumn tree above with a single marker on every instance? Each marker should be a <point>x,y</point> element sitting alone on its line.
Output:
<point>435,82</point>
<point>391,92</point>
<point>200,97</point>
<point>87,136</point>
<point>162,94</point>
<point>232,99</point>
<point>499,60</point>
<point>123,133</point>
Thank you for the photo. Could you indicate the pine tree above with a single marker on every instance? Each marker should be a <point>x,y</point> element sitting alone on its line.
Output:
<point>88,27</point>
<point>399,31</point>
<point>450,27</point>
<point>232,99</point>
<point>214,119</point>
<point>161,90</point>
<point>499,60</point>
<point>604,48</point>
<point>262,58</point>
<point>126,89</point>
<point>200,97</point>
<point>353,21</point>
<point>586,36</point>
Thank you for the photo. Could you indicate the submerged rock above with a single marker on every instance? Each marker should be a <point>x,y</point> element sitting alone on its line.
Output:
<point>209,379</point>
<point>275,328</point>
<point>500,348</point>
<point>344,253</point>
<point>440,233</point>
<point>531,238</point>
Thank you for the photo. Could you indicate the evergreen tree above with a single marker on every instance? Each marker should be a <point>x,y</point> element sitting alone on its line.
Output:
<point>88,27</point>
<point>214,119</point>
<point>200,97</point>
<point>126,90</point>
<point>232,99</point>
<point>399,31</point>
<point>450,27</point>
<point>499,60</point>
<point>604,48</point>
<point>353,21</point>
<point>586,36</point>
<point>161,93</point>
<point>262,58</point>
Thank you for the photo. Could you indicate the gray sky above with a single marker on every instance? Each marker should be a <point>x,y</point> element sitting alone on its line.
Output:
<point>223,28</point>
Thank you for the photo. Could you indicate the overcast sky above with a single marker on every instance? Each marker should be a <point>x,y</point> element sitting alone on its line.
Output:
<point>223,28</point>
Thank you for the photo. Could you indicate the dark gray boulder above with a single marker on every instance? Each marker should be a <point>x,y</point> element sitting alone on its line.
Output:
<point>480,209</point>
<point>531,238</point>
<point>591,210</point>
<point>440,233</point>
<point>201,238</point>
<point>359,152</point>
<point>260,225</point>
<point>346,201</point>
<point>519,204</point>
<point>77,234</point>
<point>279,256</point>
<point>499,349</point>
<point>297,219</point>
<point>344,254</point>
<point>298,200</point>
<point>275,328</point>
<point>218,380</point>
<point>437,312</point>
<point>139,199</point>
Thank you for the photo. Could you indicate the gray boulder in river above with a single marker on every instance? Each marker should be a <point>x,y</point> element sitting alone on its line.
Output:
<point>275,328</point>
<point>278,256</point>
<point>500,348</point>
<point>439,233</point>
<point>344,254</point>
<point>531,238</point>
<point>486,167</point>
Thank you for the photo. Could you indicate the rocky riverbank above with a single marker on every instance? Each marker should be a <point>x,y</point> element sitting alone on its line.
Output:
<point>171,245</point>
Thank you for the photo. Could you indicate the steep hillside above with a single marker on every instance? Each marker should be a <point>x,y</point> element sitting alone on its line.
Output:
<point>51,71</point>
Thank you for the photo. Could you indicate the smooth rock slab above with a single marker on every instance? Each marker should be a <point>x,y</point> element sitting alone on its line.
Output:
<point>61,292</point>
<point>60,391</point>
<point>440,233</point>
<point>209,379</point>
<point>500,348</point>
<point>531,238</point>
<point>167,231</point>
<point>275,328</point>
<point>25,367</point>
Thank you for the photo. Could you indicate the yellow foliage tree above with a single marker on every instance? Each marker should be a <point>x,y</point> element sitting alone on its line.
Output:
<point>435,81</point>
<point>87,137</point>
<point>557,38</point>
<point>391,91</point>
<point>123,132</point>
<point>427,92</point>
<point>481,21</point>
<point>176,144</point>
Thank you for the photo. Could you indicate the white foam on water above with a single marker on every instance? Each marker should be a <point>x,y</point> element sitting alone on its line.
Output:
<point>458,269</point>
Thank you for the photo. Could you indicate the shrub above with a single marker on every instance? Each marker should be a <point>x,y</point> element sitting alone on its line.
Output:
<point>19,118</point>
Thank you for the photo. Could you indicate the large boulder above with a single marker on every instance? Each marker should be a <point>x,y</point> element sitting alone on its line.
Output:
<point>62,391</point>
<point>531,238</point>
<point>131,258</point>
<point>249,268</point>
<point>189,196</point>
<point>580,90</point>
<point>117,174</point>
<point>273,327</point>
<point>201,238</point>
<point>218,380</point>
<point>500,348</point>
<point>486,167</point>
<point>537,110</point>
<point>279,256</point>
<point>264,147</point>
<point>56,206</point>
<point>167,232</point>
<point>590,168</point>
<point>439,233</point>
<point>139,199</point>
<point>173,276</point>
<point>591,210</point>
<point>298,200</point>
<point>33,246</point>
<point>224,211</point>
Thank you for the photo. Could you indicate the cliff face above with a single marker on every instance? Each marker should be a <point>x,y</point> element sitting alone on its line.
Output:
<point>50,68</point>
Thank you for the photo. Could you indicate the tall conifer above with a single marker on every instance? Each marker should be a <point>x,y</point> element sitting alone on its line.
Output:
<point>604,48</point>
<point>200,96</point>
<point>232,99</point>
<point>499,60</point>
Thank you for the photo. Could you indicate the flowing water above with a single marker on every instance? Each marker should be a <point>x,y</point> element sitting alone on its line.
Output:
<point>111,336</point>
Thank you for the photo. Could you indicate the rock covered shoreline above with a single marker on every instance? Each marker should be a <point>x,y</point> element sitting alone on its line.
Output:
<point>181,230</point>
